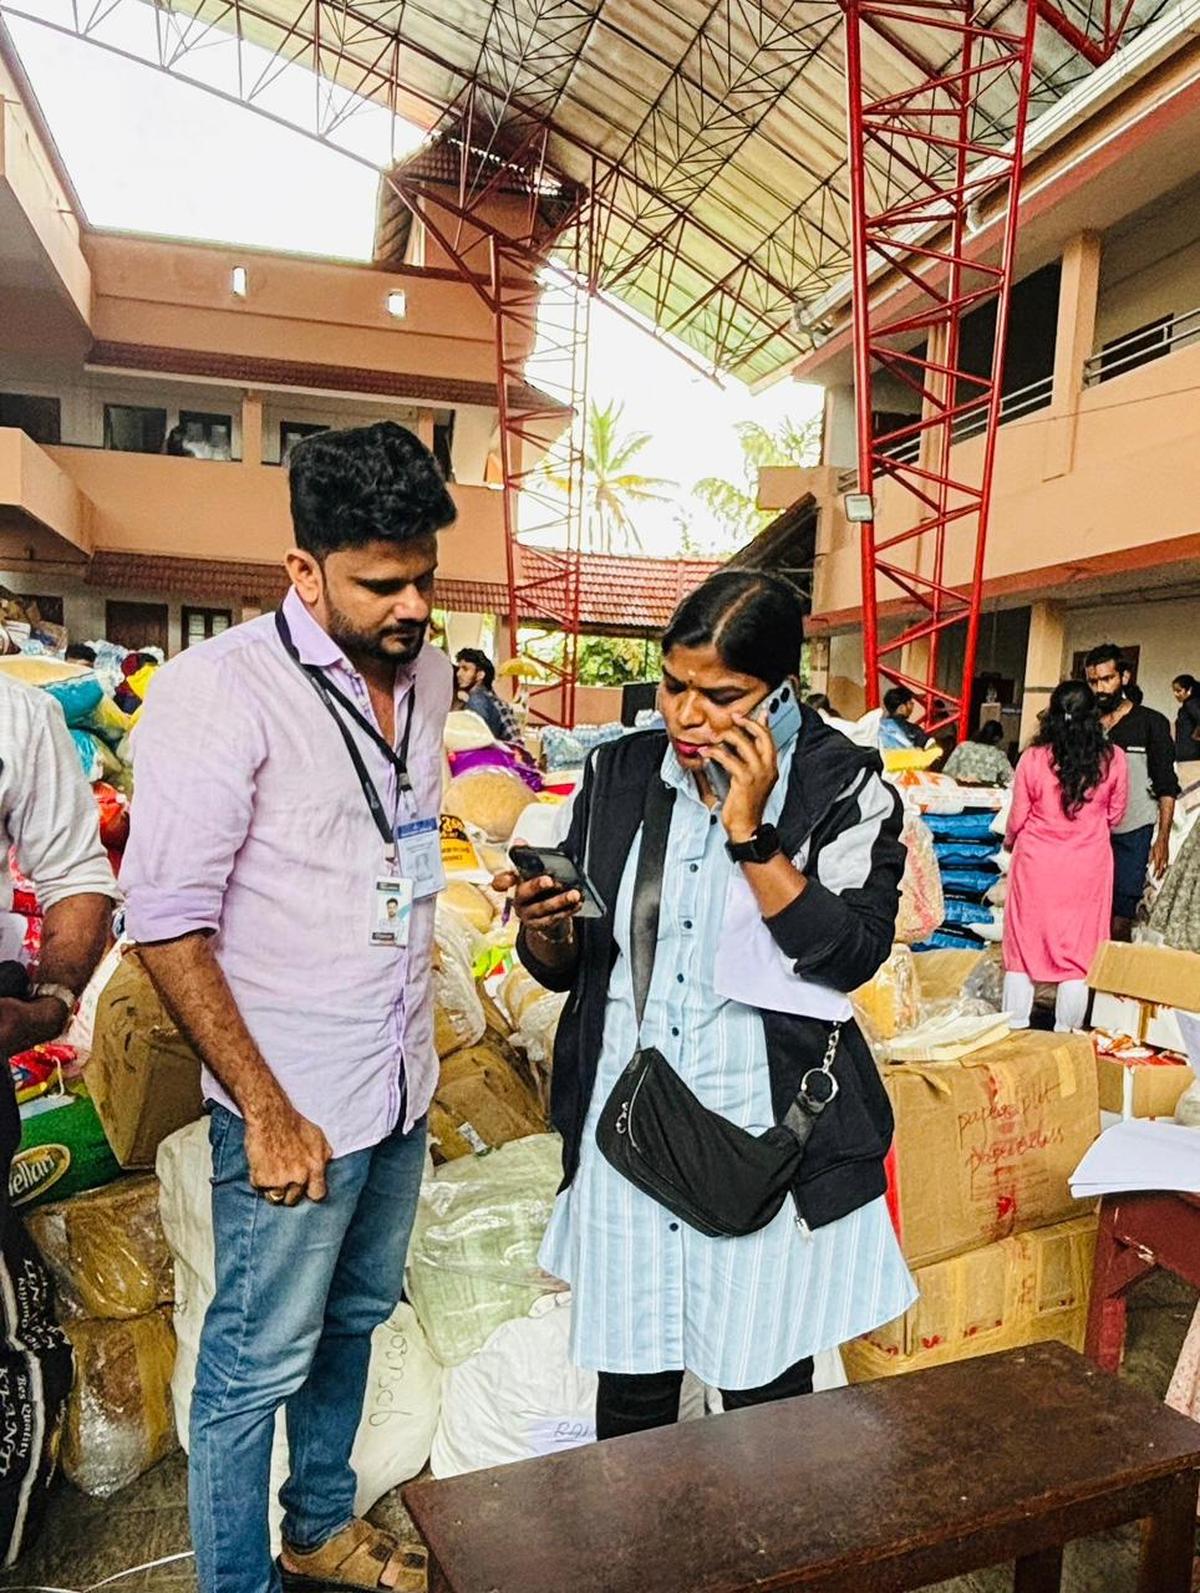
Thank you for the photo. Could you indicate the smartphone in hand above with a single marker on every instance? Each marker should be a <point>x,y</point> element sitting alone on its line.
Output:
<point>780,712</point>
<point>540,862</point>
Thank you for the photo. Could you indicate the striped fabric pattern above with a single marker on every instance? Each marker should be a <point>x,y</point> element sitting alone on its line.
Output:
<point>650,1293</point>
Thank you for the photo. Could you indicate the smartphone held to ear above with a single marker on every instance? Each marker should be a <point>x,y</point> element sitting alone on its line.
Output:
<point>551,862</point>
<point>781,715</point>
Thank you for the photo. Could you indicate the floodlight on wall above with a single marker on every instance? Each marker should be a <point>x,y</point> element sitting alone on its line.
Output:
<point>397,303</point>
<point>859,508</point>
<point>238,282</point>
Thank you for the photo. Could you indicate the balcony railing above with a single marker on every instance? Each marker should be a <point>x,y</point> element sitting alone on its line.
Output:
<point>1140,347</point>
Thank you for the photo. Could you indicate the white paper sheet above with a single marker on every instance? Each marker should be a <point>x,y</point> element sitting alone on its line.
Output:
<point>1141,1154</point>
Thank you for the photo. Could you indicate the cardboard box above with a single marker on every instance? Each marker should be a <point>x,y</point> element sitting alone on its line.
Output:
<point>1157,974</point>
<point>942,974</point>
<point>1023,1290</point>
<point>143,1076</point>
<point>984,1146</point>
<point>1142,1089</point>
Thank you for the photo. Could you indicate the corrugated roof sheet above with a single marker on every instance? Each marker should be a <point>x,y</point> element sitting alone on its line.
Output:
<point>726,204</point>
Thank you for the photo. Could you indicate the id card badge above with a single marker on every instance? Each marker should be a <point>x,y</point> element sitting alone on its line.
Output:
<point>391,909</point>
<point>419,850</point>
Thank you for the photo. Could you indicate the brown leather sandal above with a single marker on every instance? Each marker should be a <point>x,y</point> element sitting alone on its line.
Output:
<point>356,1560</point>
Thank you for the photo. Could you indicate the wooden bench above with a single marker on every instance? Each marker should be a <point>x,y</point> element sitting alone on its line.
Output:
<point>885,1486</point>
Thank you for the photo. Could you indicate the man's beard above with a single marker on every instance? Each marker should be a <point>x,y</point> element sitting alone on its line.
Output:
<point>1109,701</point>
<point>395,644</point>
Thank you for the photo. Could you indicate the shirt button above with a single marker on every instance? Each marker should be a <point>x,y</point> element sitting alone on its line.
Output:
<point>674,1227</point>
<point>687,923</point>
<point>712,818</point>
<point>679,978</point>
<point>675,1034</point>
<point>693,868</point>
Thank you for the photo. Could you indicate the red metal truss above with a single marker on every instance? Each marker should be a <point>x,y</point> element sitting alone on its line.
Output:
<point>486,193</point>
<point>921,160</point>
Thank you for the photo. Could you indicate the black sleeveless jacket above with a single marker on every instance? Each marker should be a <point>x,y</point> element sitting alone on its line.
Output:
<point>838,804</point>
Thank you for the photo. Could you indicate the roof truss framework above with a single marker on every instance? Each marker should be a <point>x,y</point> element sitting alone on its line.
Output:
<point>715,128</point>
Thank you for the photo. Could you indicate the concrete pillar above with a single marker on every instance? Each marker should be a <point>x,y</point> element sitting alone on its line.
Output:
<point>1043,663</point>
<point>252,429</point>
<point>1078,296</point>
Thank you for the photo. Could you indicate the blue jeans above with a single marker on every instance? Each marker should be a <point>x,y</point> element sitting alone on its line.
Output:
<point>299,1291</point>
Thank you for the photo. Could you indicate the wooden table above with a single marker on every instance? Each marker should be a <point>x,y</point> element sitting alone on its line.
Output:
<point>887,1486</point>
<point>1137,1234</point>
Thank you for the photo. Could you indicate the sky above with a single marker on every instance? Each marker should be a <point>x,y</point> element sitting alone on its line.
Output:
<point>151,152</point>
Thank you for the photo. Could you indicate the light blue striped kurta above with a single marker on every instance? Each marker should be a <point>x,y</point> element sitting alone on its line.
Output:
<point>651,1294</point>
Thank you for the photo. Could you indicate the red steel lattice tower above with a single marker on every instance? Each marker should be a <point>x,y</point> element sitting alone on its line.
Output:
<point>922,161</point>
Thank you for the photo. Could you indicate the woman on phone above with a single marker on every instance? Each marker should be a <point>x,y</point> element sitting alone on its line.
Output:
<point>774,901</point>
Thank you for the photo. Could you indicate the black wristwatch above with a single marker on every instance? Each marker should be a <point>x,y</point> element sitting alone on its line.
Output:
<point>762,846</point>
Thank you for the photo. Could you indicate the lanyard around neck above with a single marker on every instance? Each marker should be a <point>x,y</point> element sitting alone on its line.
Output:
<point>332,695</point>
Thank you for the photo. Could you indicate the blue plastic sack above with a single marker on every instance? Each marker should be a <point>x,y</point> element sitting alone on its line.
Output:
<point>963,914</point>
<point>966,854</point>
<point>961,826</point>
<point>946,940</point>
<point>90,756</point>
<point>77,697</point>
<point>967,881</point>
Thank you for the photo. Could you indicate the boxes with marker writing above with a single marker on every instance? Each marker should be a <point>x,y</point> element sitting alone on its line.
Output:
<point>984,1146</point>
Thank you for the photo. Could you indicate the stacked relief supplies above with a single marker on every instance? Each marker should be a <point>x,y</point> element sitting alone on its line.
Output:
<point>989,1126</point>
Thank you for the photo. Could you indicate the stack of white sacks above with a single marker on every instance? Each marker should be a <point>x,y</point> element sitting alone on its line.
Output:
<point>475,1371</point>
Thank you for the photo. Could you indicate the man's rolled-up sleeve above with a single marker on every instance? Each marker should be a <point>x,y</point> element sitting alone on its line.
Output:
<point>54,822</point>
<point>196,752</point>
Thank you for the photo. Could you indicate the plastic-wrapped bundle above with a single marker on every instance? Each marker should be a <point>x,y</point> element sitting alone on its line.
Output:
<point>77,698</point>
<point>966,854</point>
<point>920,910</point>
<point>963,826</point>
<point>106,1250</point>
<point>968,881</point>
<point>458,1011</point>
<point>120,1420</point>
<point>472,1263</point>
<point>568,749</point>
<point>482,1101</point>
<point>491,799</point>
<point>965,915</point>
<point>891,1001</point>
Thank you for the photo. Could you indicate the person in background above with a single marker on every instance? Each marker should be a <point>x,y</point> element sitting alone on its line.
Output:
<point>476,676</point>
<point>50,821</point>
<point>981,760</point>
<point>1187,720</point>
<point>898,728</point>
<point>1070,793</point>
<point>81,653</point>
<point>287,773</point>
<point>1141,841</point>
<point>651,1294</point>
<point>822,704</point>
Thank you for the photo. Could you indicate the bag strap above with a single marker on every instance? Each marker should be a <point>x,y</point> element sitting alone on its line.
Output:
<point>647,889</point>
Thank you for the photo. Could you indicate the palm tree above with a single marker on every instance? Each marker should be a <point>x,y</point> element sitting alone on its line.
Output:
<point>735,504</point>
<point>611,484</point>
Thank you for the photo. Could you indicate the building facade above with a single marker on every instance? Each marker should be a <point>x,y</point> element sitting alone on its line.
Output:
<point>1095,519</point>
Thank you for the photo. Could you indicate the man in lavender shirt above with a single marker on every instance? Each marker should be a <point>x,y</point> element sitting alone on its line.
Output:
<point>288,782</point>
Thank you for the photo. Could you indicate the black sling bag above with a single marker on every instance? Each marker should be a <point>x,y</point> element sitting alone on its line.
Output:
<point>719,1178</point>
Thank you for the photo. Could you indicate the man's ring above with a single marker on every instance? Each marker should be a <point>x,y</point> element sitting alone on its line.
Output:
<point>275,1196</point>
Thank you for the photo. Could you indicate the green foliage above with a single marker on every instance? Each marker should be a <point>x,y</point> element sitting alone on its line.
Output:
<point>612,485</point>
<point>734,504</point>
<point>603,660</point>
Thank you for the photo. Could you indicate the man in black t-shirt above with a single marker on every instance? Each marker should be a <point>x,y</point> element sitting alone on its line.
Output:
<point>1141,840</point>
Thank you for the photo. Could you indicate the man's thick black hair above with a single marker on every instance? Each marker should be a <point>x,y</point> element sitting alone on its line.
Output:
<point>1106,653</point>
<point>753,619</point>
<point>990,733</point>
<point>365,484</point>
<point>897,697</point>
<point>479,660</point>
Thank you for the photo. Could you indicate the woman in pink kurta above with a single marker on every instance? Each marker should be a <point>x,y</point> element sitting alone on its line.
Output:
<point>1070,790</point>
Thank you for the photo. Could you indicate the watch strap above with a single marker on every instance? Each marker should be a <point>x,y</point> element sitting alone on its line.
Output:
<point>762,846</point>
